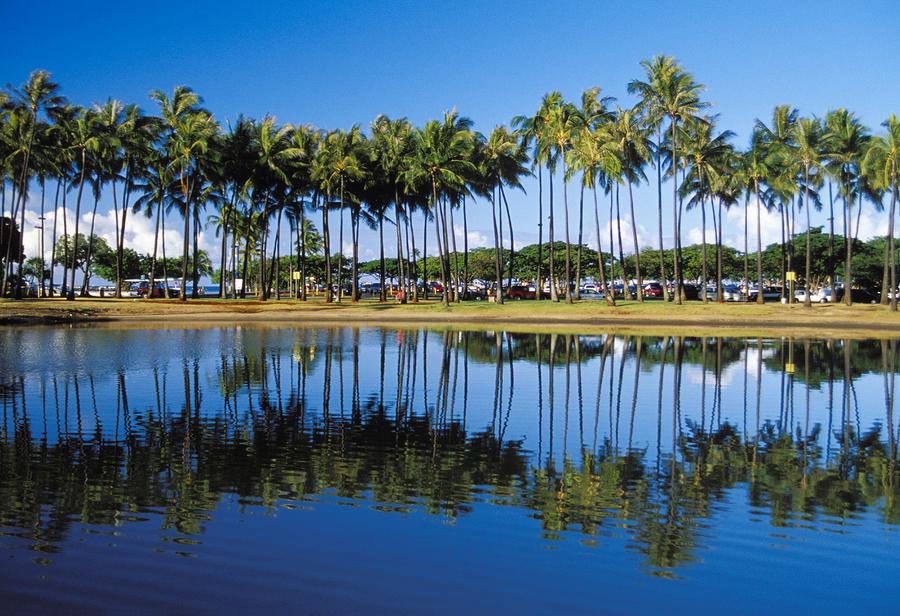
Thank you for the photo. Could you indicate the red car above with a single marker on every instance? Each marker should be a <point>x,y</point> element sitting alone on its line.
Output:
<point>653,289</point>
<point>517,292</point>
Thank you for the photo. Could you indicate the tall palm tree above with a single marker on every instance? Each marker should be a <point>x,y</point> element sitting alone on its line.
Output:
<point>754,172</point>
<point>634,148</point>
<point>671,92</point>
<point>847,140</point>
<point>188,130</point>
<point>153,187</point>
<point>83,139</point>
<point>808,139</point>
<point>707,155</point>
<point>776,140</point>
<point>274,153</point>
<point>345,151</point>
<point>562,122</point>
<point>394,145</point>
<point>595,154</point>
<point>39,93</point>
<point>503,163</point>
<point>443,158</point>
<point>882,164</point>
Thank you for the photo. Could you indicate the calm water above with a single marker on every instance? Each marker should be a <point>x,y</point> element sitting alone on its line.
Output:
<point>407,471</point>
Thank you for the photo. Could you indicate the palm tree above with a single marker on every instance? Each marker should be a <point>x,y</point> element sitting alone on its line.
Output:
<point>274,153</point>
<point>670,92</point>
<point>502,162</point>
<point>189,130</point>
<point>562,121</point>
<point>83,139</point>
<point>707,155</point>
<point>776,141</point>
<point>753,172</point>
<point>882,164</point>
<point>394,146</point>
<point>595,154</point>
<point>847,140</point>
<point>345,152</point>
<point>153,187</point>
<point>634,148</point>
<point>808,137</point>
<point>37,94</point>
<point>442,159</point>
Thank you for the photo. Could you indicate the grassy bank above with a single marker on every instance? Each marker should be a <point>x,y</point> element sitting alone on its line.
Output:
<point>771,319</point>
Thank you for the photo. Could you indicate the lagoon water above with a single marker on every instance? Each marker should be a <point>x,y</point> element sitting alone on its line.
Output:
<point>386,470</point>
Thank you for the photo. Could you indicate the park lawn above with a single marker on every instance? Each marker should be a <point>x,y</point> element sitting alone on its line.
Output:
<point>585,316</point>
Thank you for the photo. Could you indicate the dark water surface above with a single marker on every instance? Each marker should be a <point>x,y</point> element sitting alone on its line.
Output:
<point>386,470</point>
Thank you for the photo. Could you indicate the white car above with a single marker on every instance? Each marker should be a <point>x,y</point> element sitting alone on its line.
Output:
<point>823,296</point>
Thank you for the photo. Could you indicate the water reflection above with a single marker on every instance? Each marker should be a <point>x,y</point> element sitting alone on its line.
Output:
<point>639,439</point>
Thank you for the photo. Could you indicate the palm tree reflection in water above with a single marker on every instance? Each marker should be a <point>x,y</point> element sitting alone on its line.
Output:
<point>253,424</point>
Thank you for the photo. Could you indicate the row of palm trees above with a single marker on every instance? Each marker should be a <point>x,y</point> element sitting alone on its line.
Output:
<point>255,175</point>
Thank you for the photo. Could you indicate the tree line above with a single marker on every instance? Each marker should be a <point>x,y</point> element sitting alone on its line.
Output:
<point>248,177</point>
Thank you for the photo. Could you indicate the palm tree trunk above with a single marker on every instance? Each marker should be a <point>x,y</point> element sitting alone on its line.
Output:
<point>163,247</point>
<point>223,261</point>
<point>746,244</point>
<point>720,295</point>
<point>424,253</point>
<point>538,282</point>
<point>703,252</point>
<point>456,282</point>
<point>831,263</point>
<point>159,208</point>
<point>187,235</point>
<point>554,296</point>
<point>679,290</point>
<point>400,263</point>
<point>326,239</point>
<point>807,300</point>
<point>849,252</point>
<point>607,292</point>
<point>71,294</point>
<point>568,243</point>
<point>90,252</point>
<point>301,252</point>
<point>626,288</point>
<point>890,242</point>
<point>263,243</point>
<point>53,236</point>
<point>498,272</point>
<point>435,206</point>
<point>382,292</point>
<point>577,289</point>
<point>512,243</point>
<point>662,254</point>
<point>246,265</point>
<point>465,249</point>
<point>637,248</point>
<point>354,269</point>
<point>759,273</point>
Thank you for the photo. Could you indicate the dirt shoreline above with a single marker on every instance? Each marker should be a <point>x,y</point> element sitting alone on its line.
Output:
<point>768,320</point>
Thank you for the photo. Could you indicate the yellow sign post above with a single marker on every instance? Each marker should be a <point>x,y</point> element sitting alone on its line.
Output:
<point>791,277</point>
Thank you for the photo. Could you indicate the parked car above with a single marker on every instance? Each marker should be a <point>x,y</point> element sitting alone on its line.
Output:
<point>770,294</point>
<point>823,296</point>
<point>653,289</point>
<point>732,293</point>
<point>519,292</point>
<point>859,296</point>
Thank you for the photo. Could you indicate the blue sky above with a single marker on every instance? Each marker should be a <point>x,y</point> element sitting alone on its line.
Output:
<point>334,64</point>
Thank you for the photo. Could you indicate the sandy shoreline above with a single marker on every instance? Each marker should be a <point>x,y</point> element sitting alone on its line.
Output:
<point>587,317</point>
